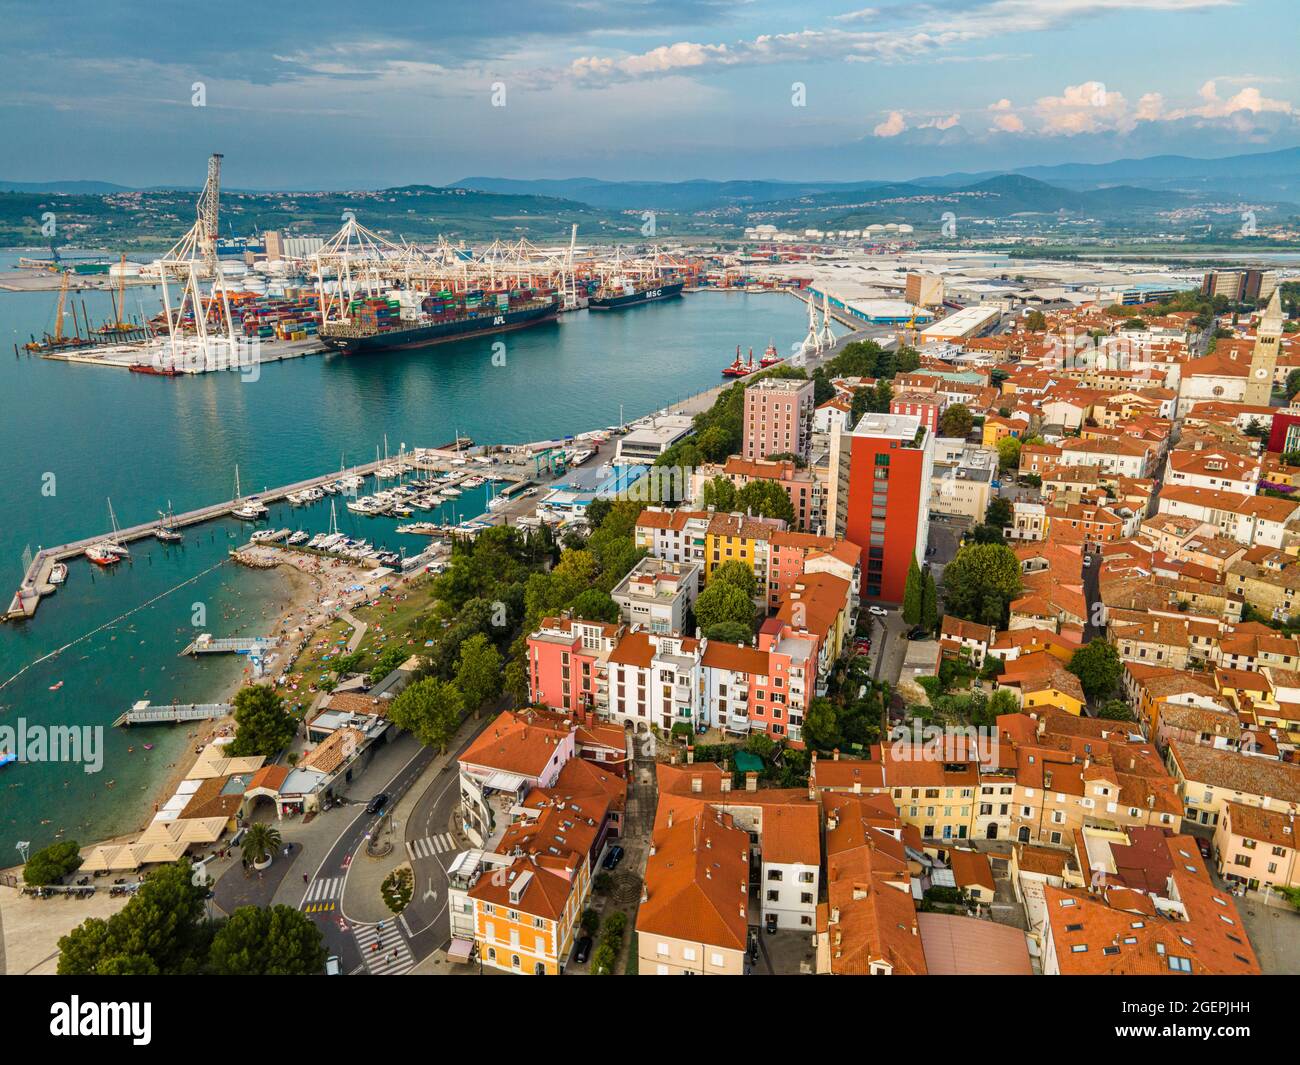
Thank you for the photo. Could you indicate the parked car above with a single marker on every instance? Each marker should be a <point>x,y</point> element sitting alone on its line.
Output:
<point>614,856</point>
<point>333,967</point>
<point>918,633</point>
<point>1203,845</point>
<point>582,949</point>
<point>751,945</point>
<point>377,804</point>
<point>878,611</point>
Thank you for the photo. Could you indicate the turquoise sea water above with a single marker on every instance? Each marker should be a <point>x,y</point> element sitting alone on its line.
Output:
<point>94,433</point>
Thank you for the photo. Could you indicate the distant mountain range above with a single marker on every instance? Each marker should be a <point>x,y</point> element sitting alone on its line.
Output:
<point>1264,177</point>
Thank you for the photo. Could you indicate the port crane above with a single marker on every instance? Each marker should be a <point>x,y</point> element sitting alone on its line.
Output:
<point>191,261</point>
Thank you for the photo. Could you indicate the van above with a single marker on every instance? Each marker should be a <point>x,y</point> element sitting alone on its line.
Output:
<point>333,967</point>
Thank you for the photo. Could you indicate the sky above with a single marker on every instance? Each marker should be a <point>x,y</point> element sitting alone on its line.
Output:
<point>330,94</point>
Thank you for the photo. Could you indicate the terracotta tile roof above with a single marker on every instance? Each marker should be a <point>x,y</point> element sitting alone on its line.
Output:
<point>518,741</point>
<point>971,868</point>
<point>1237,772</point>
<point>697,882</point>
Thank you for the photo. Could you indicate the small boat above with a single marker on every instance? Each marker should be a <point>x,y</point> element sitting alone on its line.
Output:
<point>298,538</point>
<point>6,757</point>
<point>56,687</point>
<point>58,573</point>
<point>166,530</point>
<point>770,356</point>
<point>148,746</point>
<point>101,555</point>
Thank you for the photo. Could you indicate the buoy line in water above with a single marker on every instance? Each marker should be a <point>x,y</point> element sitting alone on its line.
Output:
<point>109,624</point>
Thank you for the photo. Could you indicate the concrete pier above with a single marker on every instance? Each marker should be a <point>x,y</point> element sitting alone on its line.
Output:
<point>36,581</point>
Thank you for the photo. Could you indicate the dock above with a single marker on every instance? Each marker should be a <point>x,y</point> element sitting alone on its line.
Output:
<point>36,584</point>
<point>142,713</point>
<point>207,644</point>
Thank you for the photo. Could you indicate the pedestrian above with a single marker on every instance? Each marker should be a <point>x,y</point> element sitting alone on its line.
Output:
<point>304,878</point>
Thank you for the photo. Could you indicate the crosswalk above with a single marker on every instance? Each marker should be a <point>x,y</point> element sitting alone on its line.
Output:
<point>323,894</point>
<point>384,951</point>
<point>431,845</point>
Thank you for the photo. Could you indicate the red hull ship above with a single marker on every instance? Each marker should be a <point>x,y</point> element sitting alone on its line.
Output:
<point>739,368</point>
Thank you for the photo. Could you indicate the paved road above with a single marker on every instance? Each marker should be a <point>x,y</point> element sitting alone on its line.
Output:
<point>323,894</point>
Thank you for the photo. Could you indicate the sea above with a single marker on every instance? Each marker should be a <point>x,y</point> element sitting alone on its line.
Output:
<point>73,438</point>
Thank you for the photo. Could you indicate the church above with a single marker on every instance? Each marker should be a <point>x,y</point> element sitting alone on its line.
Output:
<point>1233,375</point>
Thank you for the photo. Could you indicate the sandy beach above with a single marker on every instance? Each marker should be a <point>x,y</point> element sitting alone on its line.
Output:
<point>318,590</point>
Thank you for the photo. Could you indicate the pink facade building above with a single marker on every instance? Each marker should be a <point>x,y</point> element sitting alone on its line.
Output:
<point>778,418</point>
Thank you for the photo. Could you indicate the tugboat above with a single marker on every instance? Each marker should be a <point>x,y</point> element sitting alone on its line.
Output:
<point>770,356</point>
<point>738,367</point>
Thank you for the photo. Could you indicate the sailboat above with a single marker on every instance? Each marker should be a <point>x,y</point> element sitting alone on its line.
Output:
<point>109,551</point>
<point>166,530</point>
<point>249,509</point>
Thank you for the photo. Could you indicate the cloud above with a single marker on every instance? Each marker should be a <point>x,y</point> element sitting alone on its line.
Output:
<point>1247,99</point>
<point>892,126</point>
<point>932,32</point>
<point>941,123</point>
<point>1084,108</point>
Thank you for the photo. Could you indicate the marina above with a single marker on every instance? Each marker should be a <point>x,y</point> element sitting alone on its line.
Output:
<point>37,581</point>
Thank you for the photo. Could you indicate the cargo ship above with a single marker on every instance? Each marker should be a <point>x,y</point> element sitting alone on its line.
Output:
<point>622,294</point>
<point>410,320</point>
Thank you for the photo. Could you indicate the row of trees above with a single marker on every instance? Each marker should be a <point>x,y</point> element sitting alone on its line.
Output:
<point>764,499</point>
<point>920,598</point>
<point>163,931</point>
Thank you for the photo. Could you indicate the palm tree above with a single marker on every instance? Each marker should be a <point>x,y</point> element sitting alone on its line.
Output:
<point>261,841</point>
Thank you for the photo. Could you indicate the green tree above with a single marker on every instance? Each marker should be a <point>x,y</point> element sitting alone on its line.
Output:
<point>980,583</point>
<point>1115,710</point>
<point>913,591</point>
<point>1098,667</point>
<point>929,603</point>
<point>1035,321</point>
<point>821,728</point>
<point>51,864</point>
<point>729,632</point>
<point>723,602</point>
<point>1008,453</point>
<point>738,574</point>
<point>719,493</point>
<point>262,724</point>
<point>261,841</point>
<point>267,941</point>
<point>430,709</point>
<point>478,672</point>
<point>1000,513</point>
<point>957,421</point>
<point>595,605</point>
<point>158,931</point>
<point>766,499</point>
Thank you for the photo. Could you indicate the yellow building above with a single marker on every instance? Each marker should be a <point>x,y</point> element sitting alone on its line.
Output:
<point>1042,681</point>
<point>526,914</point>
<point>998,428</point>
<point>737,538</point>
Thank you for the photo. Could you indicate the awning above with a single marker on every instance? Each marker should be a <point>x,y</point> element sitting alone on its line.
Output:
<point>502,781</point>
<point>460,950</point>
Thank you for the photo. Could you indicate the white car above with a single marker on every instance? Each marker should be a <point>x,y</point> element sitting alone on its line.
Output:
<point>878,611</point>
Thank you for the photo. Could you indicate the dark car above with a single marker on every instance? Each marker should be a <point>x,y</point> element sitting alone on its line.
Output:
<point>612,859</point>
<point>918,633</point>
<point>582,949</point>
<point>377,803</point>
<point>1203,845</point>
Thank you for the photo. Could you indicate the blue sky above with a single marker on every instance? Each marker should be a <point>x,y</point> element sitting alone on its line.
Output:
<point>331,94</point>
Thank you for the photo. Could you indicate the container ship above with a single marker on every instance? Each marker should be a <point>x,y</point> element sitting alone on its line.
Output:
<point>408,319</point>
<point>622,294</point>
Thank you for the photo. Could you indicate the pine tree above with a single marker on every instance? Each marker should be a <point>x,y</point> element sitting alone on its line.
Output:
<point>929,603</point>
<point>913,594</point>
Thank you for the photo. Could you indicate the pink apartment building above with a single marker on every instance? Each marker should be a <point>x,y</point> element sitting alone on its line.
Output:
<point>778,418</point>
